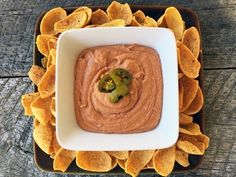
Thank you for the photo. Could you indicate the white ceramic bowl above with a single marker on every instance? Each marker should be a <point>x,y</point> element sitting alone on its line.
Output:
<point>70,44</point>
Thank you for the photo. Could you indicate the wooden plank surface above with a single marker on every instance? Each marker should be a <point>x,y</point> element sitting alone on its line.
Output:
<point>17,20</point>
<point>16,152</point>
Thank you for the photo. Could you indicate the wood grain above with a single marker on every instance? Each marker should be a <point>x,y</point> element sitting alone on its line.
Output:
<point>16,152</point>
<point>17,22</point>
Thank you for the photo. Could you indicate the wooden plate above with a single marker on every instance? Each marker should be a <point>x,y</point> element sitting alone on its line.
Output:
<point>44,162</point>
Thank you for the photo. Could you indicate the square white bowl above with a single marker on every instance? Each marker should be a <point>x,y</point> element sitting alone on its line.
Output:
<point>70,44</point>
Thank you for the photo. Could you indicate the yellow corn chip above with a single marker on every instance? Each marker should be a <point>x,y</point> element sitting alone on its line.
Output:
<point>26,101</point>
<point>63,159</point>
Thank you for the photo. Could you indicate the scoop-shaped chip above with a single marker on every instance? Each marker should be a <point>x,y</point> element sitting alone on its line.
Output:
<point>196,104</point>
<point>113,163</point>
<point>117,22</point>
<point>181,95</point>
<point>191,39</point>
<point>72,21</point>
<point>40,107</point>
<point>119,154</point>
<point>99,17</point>
<point>43,137</point>
<point>149,22</point>
<point>36,123</point>
<point>149,165</point>
<point>52,44</point>
<point>63,159</point>
<point>137,161</point>
<point>55,145</point>
<point>164,161</point>
<point>190,129</point>
<point>185,119</point>
<point>51,58</point>
<point>36,73</point>
<point>97,161</point>
<point>42,43</point>
<point>188,64</point>
<point>182,158</point>
<point>53,107</point>
<point>121,163</point>
<point>46,85</point>
<point>161,22</point>
<point>50,18</point>
<point>26,101</point>
<point>117,10</point>
<point>90,26</point>
<point>180,75</point>
<point>204,139</point>
<point>174,21</point>
<point>190,144</point>
<point>44,62</point>
<point>190,91</point>
<point>138,18</point>
<point>53,121</point>
<point>87,10</point>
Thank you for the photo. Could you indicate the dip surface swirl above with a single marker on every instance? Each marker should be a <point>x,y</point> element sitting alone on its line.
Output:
<point>139,111</point>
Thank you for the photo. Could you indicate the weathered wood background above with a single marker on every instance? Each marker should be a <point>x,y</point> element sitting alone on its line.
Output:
<point>218,27</point>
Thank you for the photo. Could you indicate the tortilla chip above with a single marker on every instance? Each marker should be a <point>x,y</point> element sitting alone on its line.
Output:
<point>36,73</point>
<point>196,104</point>
<point>121,163</point>
<point>190,129</point>
<point>52,44</point>
<point>188,64</point>
<point>137,161</point>
<point>113,23</point>
<point>88,12</point>
<point>50,18</point>
<point>150,165</point>
<point>174,21</point>
<point>63,159</point>
<point>185,119</point>
<point>46,86</point>
<point>99,17</point>
<point>55,145</point>
<point>90,26</point>
<point>122,155</point>
<point>190,90</point>
<point>36,123</point>
<point>164,161</point>
<point>191,39</point>
<point>43,137</point>
<point>190,145</point>
<point>72,21</point>
<point>182,158</point>
<point>117,10</point>
<point>26,101</point>
<point>149,22</point>
<point>40,107</point>
<point>44,62</point>
<point>42,43</point>
<point>113,163</point>
<point>161,22</point>
<point>204,139</point>
<point>53,107</point>
<point>180,75</point>
<point>138,18</point>
<point>97,161</point>
<point>181,95</point>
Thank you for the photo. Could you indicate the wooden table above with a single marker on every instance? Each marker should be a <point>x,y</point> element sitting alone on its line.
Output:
<point>218,25</point>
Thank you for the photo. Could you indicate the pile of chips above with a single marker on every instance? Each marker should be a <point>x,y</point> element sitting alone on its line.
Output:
<point>41,104</point>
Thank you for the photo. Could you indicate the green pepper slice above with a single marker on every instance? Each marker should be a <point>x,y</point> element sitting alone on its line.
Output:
<point>120,76</point>
<point>118,93</point>
<point>106,84</point>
